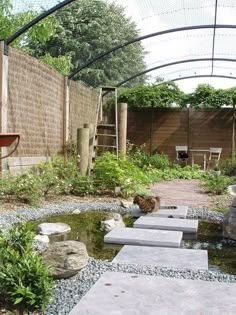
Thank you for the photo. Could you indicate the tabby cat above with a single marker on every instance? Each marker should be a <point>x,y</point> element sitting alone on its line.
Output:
<point>147,203</point>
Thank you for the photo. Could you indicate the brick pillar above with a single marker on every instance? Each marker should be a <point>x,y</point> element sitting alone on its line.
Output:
<point>3,97</point>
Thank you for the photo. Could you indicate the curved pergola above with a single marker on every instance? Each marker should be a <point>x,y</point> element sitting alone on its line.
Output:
<point>203,26</point>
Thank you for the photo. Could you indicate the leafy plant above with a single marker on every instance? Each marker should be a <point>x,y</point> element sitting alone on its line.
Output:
<point>111,172</point>
<point>25,283</point>
<point>82,186</point>
<point>216,168</point>
<point>216,184</point>
<point>228,167</point>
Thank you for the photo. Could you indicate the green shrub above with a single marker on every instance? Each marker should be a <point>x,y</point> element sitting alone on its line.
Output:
<point>56,175</point>
<point>216,184</point>
<point>228,167</point>
<point>25,283</point>
<point>82,186</point>
<point>111,172</point>
<point>26,188</point>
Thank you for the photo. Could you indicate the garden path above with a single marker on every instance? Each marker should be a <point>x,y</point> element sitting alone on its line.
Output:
<point>181,192</point>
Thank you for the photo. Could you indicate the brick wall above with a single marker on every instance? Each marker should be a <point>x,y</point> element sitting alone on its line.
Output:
<point>162,130</point>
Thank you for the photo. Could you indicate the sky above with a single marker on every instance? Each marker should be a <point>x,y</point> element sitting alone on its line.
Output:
<point>158,15</point>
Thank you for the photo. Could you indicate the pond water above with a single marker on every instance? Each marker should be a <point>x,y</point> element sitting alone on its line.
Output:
<point>85,227</point>
<point>221,253</point>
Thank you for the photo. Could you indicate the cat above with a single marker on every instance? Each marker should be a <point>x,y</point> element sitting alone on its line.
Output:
<point>147,203</point>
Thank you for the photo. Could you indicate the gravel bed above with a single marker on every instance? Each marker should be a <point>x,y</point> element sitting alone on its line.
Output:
<point>67,293</point>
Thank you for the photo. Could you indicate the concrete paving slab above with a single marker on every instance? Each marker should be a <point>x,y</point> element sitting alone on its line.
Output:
<point>163,257</point>
<point>178,213</point>
<point>130,236</point>
<point>125,294</point>
<point>150,222</point>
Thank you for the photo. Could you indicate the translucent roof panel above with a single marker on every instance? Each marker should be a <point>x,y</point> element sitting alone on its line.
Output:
<point>153,16</point>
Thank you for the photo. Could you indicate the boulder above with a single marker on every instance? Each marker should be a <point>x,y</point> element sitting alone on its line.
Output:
<point>40,243</point>
<point>76,211</point>
<point>66,258</point>
<point>53,229</point>
<point>110,224</point>
<point>229,223</point>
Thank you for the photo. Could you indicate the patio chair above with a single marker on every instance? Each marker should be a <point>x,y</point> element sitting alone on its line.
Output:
<point>181,154</point>
<point>214,156</point>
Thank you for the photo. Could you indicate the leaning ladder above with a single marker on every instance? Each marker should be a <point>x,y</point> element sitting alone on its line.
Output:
<point>104,130</point>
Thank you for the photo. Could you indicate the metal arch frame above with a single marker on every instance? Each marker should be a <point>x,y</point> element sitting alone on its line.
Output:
<point>199,76</point>
<point>172,64</point>
<point>36,20</point>
<point>140,38</point>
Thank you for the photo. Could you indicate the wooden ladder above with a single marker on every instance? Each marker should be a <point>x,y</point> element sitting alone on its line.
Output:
<point>104,129</point>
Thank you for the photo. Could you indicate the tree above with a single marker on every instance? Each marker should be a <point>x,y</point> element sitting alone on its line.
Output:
<point>206,96</point>
<point>88,28</point>
<point>146,96</point>
<point>11,22</point>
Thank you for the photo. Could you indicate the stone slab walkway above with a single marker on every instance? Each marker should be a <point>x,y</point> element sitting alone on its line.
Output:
<point>131,236</point>
<point>181,192</point>
<point>156,223</point>
<point>163,257</point>
<point>125,294</point>
<point>179,212</point>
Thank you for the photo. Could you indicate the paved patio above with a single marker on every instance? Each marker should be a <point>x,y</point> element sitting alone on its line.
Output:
<point>181,192</point>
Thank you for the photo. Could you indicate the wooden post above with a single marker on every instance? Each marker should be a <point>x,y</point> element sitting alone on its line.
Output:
<point>233,134</point>
<point>91,144</point>
<point>83,149</point>
<point>3,97</point>
<point>66,115</point>
<point>122,128</point>
<point>190,112</point>
<point>151,132</point>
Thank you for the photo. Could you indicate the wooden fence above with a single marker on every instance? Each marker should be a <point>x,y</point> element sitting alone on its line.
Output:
<point>162,129</point>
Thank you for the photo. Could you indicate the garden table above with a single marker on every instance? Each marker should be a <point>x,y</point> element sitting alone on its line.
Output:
<point>200,152</point>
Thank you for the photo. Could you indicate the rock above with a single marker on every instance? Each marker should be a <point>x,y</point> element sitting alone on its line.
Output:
<point>40,243</point>
<point>76,211</point>
<point>229,223</point>
<point>66,258</point>
<point>126,204</point>
<point>53,228</point>
<point>110,224</point>
<point>42,238</point>
<point>232,191</point>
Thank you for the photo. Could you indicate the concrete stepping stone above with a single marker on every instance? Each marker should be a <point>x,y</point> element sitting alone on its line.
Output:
<point>130,236</point>
<point>165,212</point>
<point>163,257</point>
<point>125,294</point>
<point>150,222</point>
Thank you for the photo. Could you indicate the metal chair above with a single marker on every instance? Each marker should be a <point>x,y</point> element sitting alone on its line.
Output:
<point>181,154</point>
<point>214,156</point>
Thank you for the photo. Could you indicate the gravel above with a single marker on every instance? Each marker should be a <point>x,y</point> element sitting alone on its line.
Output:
<point>67,293</point>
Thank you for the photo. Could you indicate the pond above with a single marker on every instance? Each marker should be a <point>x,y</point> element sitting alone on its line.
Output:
<point>85,227</point>
<point>221,253</point>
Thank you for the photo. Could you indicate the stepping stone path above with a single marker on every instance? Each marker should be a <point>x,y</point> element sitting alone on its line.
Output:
<point>125,294</point>
<point>163,257</point>
<point>165,212</point>
<point>159,235</point>
<point>131,236</point>
<point>150,222</point>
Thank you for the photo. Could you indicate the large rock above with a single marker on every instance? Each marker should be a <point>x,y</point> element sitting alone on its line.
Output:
<point>53,229</point>
<point>66,258</point>
<point>229,223</point>
<point>110,224</point>
<point>40,243</point>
